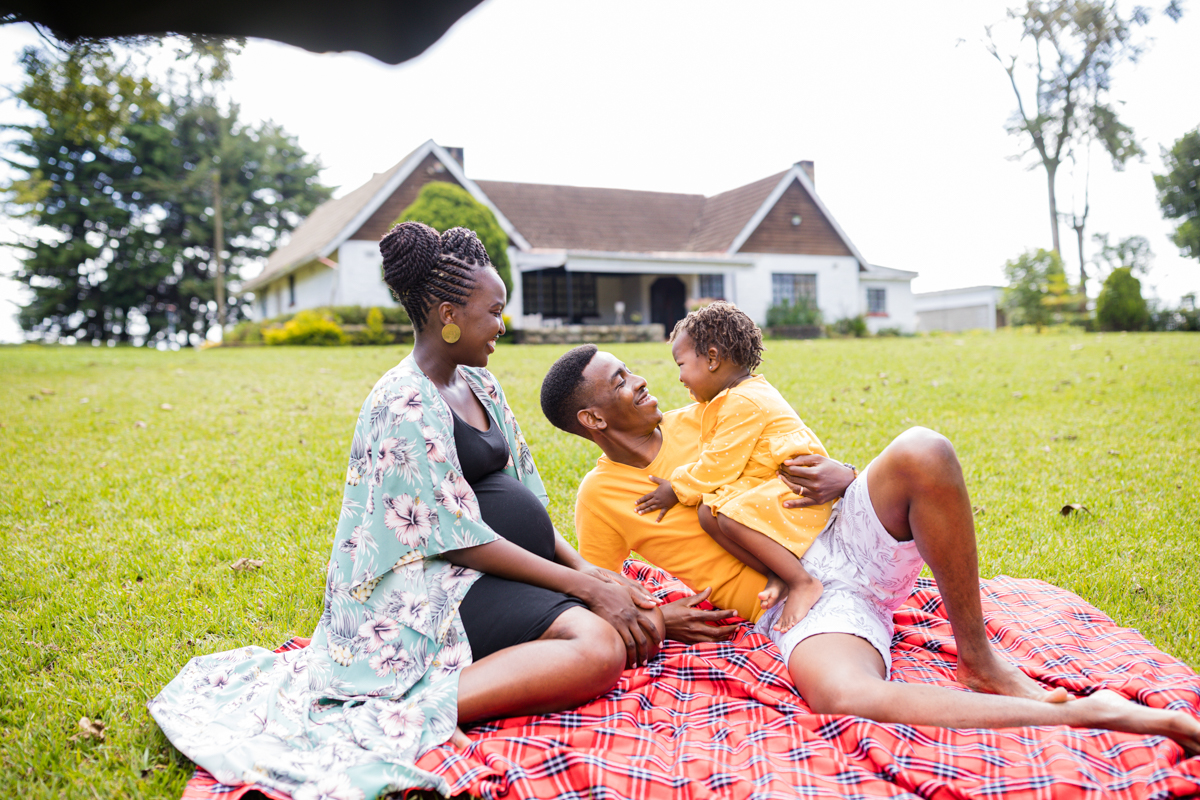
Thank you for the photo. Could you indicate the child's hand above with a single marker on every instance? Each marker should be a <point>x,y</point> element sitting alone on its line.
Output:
<point>661,498</point>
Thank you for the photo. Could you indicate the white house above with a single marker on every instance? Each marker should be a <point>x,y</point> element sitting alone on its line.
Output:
<point>969,308</point>
<point>577,252</point>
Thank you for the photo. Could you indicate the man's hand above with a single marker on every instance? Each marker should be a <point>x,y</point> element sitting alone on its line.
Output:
<point>816,479</point>
<point>661,498</point>
<point>688,624</point>
<point>638,592</point>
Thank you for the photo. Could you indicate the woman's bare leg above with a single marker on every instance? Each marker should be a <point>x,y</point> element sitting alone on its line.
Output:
<point>577,659</point>
<point>857,686</point>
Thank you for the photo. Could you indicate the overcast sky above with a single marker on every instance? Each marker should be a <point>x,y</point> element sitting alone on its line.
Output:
<point>899,105</point>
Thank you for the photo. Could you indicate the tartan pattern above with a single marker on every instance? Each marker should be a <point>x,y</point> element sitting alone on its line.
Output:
<point>723,720</point>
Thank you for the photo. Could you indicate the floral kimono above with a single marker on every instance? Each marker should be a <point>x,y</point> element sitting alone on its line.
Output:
<point>348,716</point>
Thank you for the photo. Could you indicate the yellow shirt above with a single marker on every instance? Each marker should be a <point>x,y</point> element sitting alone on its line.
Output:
<point>608,527</point>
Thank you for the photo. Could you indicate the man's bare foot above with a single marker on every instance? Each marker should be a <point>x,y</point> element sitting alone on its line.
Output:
<point>1000,677</point>
<point>800,600</point>
<point>773,592</point>
<point>459,739</point>
<point>1107,709</point>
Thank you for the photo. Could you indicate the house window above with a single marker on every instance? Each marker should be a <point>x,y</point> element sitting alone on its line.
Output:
<point>291,290</point>
<point>712,286</point>
<point>877,302</point>
<point>789,287</point>
<point>555,293</point>
<point>263,305</point>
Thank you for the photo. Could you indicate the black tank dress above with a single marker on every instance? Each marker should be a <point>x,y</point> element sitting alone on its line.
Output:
<point>499,613</point>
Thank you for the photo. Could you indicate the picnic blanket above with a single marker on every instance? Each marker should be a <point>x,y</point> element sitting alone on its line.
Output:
<point>723,720</point>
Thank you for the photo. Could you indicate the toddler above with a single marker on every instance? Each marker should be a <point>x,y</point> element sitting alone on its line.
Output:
<point>747,431</point>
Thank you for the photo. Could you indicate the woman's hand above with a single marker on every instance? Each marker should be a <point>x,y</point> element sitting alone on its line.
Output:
<point>607,599</point>
<point>613,603</point>
<point>640,596</point>
<point>816,479</point>
<point>661,498</point>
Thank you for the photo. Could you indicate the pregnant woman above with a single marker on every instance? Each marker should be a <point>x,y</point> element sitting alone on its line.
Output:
<point>450,597</point>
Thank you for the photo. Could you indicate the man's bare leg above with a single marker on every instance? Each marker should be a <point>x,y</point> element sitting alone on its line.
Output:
<point>858,687</point>
<point>577,659</point>
<point>918,492</point>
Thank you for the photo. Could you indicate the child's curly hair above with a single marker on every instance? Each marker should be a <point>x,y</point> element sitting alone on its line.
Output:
<point>726,327</point>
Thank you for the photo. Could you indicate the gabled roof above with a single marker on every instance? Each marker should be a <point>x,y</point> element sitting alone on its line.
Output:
<point>335,221</point>
<point>562,217</point>
<point>795,174</point>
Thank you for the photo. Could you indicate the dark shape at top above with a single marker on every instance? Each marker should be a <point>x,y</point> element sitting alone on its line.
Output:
<point>390,30</point>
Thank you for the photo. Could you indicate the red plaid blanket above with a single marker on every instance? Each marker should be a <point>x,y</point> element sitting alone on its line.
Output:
<point>723,720</point>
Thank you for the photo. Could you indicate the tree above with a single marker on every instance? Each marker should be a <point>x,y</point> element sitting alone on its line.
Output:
<point>1133,252</point>
<point>119,186</point>
<point>1038,292</point>
<point>1073,47</point>
<point>1179,191</point>
<point>443,206</point>
<point>1120,306</point>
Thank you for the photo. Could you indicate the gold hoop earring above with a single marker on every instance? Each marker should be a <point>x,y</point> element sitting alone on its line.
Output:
<point>451,333</point>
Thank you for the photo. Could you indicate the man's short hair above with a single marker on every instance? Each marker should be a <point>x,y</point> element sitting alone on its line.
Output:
<point>562,388</point>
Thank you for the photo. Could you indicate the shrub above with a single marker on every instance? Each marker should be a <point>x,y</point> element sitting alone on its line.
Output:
<point>443,206</point>
<point>1120,306</point>
<point>850,326</point>
<point>374,332</point>
<point>307,327</point>
<point>803,312</point>
<point>889,332</point>
<point>245,332</point>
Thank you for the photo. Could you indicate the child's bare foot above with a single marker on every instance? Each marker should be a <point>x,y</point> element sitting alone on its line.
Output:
<point>773,592</point>
<point>800,600</point>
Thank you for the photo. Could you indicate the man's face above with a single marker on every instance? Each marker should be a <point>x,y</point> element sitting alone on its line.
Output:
<point>619,397</point>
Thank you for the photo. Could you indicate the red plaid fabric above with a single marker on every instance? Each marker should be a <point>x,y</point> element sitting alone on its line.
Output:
<point>724,721</point>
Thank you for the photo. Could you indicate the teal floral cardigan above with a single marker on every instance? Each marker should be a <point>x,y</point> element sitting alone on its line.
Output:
<point>348,716</point>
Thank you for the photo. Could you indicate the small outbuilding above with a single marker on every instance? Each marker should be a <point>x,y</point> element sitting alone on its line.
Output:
<point>969,308</point>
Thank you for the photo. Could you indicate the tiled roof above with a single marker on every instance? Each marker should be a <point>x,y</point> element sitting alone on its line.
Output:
<point>320,228</point>
<point>579,218</point>
<point>622,220</point>
<point>724,215</point>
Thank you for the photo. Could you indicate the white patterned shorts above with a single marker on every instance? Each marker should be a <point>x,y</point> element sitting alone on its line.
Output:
<point>866,576</point>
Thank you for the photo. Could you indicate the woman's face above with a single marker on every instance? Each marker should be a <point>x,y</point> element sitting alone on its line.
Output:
<point>480,320</point>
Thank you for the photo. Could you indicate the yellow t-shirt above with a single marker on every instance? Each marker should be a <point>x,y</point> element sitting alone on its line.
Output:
<point>608,527</point>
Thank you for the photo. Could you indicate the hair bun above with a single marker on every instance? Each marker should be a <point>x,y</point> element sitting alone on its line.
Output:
<point>410,253</point>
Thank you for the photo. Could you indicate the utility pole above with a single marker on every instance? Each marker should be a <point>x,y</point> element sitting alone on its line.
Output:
<point>218,247</point>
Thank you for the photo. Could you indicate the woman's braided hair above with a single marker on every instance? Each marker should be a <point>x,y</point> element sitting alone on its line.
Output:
<point>726,327</point>
<point>423,268</point>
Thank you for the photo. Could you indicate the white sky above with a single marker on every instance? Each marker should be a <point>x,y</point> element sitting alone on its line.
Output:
<point>900,107</point>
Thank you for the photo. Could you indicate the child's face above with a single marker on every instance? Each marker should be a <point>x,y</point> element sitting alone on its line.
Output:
<point>695,371</point>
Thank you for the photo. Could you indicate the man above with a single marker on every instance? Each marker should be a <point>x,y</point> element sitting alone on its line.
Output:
<point>916,508</point>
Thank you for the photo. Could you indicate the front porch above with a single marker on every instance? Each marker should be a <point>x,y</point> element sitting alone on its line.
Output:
<point>607,291</point>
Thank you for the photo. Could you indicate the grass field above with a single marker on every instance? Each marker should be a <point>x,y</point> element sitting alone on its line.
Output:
<point>131,480</point>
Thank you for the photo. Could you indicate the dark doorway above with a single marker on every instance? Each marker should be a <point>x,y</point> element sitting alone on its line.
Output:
<point>667,296</point>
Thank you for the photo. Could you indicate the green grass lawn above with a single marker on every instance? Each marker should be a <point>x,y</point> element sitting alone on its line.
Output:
<point>130,480</point>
